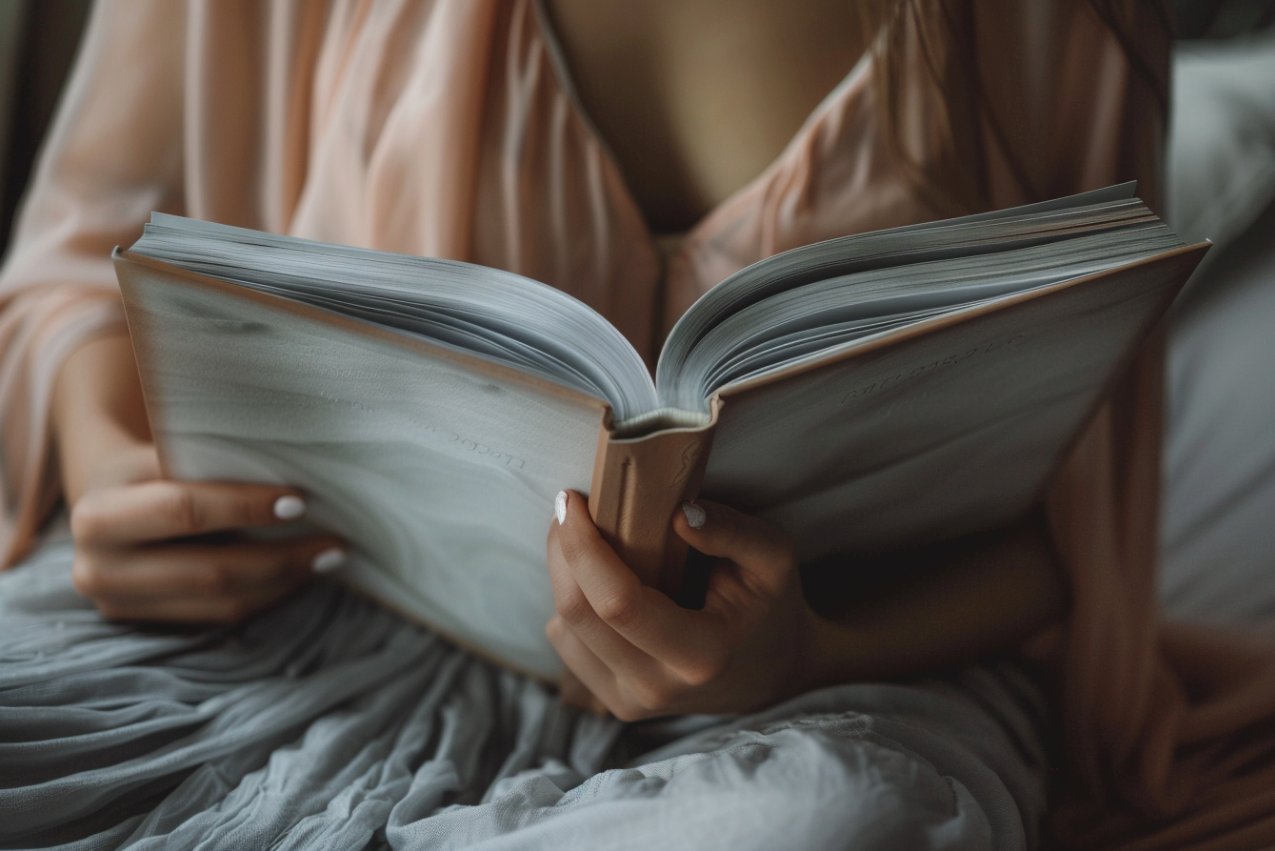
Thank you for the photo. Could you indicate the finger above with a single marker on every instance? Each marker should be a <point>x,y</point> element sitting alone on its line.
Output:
<point>575,693</point>
<point>589,670</point>
<point>158,510</point>
<point>577,614</point>
<point>763,552</point>
<point>203,569</point>
<point>190,610</point>
<point>627,698</point>
<point>642,616</point>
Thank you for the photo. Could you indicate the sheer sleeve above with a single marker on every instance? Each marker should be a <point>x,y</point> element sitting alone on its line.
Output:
<point>986,104</point>
<point>1166,728</point>
<point>113,155</point>
<point>1074,97</point>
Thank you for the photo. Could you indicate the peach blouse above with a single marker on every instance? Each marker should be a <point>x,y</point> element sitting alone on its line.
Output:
<point>450,128</point>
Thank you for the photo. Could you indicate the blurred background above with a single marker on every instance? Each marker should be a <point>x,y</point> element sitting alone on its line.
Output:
<point>38,39</point>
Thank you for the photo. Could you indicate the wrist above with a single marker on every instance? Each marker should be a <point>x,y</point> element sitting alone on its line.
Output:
<point>827,653</point>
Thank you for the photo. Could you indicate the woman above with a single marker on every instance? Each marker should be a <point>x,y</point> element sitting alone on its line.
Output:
<point>554,140</point>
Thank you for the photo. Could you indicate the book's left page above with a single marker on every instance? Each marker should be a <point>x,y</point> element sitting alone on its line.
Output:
<point>440,469</point>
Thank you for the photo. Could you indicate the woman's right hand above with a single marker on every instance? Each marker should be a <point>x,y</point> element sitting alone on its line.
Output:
<point>150,549</point>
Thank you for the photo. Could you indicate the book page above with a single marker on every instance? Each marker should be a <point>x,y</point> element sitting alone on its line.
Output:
<point>812,320</point>
<point>968,236</point>
<point>949,429</point>
<point>440,471</point>
<point>496,315</point>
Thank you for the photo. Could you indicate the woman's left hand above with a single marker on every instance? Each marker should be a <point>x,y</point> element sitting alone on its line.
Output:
<point>642,655</point>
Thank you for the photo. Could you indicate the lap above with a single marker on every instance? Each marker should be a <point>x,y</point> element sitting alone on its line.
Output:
<point>861,766</point>
<point>330,723</point>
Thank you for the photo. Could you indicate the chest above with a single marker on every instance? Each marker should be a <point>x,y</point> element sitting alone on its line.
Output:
<point>695,98</point>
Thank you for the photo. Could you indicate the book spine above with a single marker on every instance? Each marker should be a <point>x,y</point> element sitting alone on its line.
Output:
<point>637,485</point>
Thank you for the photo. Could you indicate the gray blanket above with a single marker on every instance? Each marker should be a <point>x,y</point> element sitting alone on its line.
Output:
<point>329,723</point>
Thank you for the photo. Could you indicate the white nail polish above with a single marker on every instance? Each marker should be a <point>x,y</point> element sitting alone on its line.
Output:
<point>560,507</point>
<point>289,507</point>
<point>329,560</point>
<point>695,515</point>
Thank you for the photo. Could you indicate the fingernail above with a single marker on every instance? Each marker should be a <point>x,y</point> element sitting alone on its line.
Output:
<point>560,507</point>
<point>289,507</point>
<point>333,558</point>
<point>695,515</point>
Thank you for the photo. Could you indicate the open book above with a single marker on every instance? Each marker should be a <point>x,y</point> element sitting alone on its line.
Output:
<point>865,393</point>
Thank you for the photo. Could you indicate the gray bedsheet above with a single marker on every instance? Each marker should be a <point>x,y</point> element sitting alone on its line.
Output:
<point>329,723</point>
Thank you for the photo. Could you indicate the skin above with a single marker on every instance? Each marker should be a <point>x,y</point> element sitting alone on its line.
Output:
<point>695,97</point>
<point>631,650</point>
<point>149,549</point>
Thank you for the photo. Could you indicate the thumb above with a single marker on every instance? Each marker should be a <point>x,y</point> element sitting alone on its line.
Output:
<point>761,550</point>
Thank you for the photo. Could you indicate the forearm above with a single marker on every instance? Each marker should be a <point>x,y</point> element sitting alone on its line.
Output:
<point>957,604</point>
<point>98,411</point>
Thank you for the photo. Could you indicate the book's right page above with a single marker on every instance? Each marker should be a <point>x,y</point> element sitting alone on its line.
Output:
<point>943,429</point>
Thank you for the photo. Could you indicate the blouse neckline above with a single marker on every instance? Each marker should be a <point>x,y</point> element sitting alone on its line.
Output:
<point>847,87</point>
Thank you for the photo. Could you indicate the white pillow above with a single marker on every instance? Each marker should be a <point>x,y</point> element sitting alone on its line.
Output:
<point>1221,155</point>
